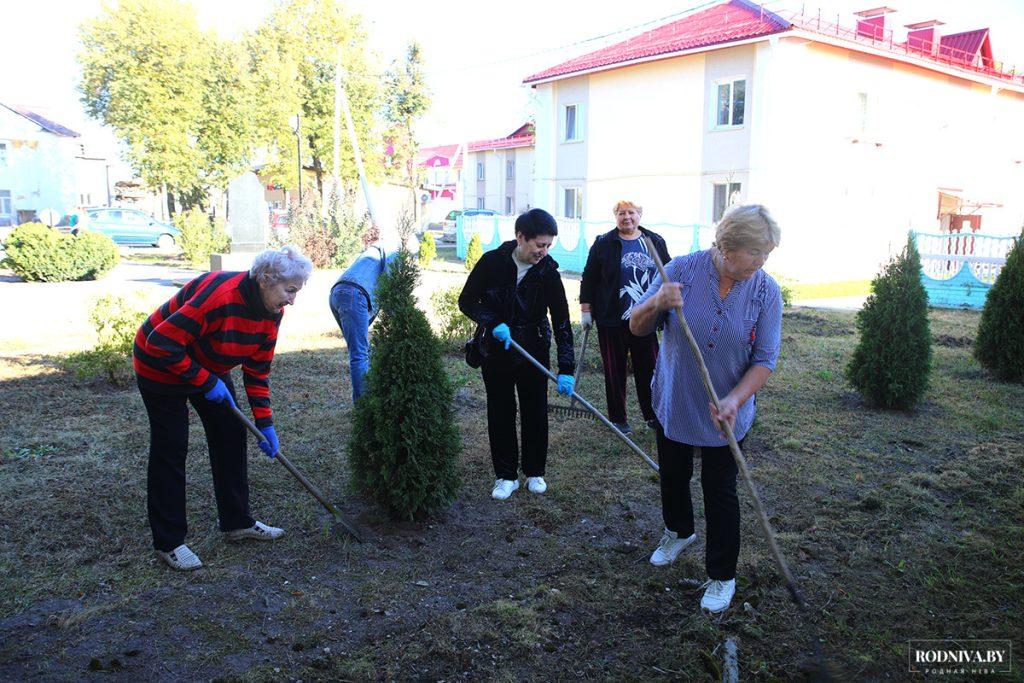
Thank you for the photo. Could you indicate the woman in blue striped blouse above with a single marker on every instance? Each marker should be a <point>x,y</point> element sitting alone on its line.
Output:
<point>734,310</point>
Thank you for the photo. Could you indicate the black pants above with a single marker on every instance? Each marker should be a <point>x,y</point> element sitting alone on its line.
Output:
<point>502,382</point>
<point>721,506</point>
<point>168,445</point>
<point>616,342</point>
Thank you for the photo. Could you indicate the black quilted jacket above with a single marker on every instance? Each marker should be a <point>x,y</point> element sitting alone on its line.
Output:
<point>491,297</point>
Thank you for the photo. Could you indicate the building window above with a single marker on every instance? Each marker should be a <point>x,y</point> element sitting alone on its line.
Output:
<point>5,208</point>
<point>3,154</point>
<point>510,169</point>
<point>862,112</point>
<point>726,194</point>
<point>731,103</point>
<point>508,206</point>
<point>573,123</point>
<point>573,203</point>
<point>480,201</point>
<point>479,170</point>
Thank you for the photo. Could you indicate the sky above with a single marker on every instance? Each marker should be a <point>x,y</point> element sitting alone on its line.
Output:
<point>477,53</point>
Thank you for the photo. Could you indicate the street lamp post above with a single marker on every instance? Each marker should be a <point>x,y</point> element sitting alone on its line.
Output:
<point>296,122</point>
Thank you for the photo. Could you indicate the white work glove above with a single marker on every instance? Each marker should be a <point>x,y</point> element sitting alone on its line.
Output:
<point>587,320</point>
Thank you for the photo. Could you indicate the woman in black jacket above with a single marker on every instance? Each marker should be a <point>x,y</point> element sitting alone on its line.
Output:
<point>617,273</point>
<point>508,295</point>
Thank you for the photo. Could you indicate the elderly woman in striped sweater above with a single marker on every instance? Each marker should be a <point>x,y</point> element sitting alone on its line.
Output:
<point>734,310</point>
<point>184,353</point>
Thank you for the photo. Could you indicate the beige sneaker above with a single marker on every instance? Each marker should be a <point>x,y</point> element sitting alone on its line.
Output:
<point>258,531</point>
<point>536,484</point>
<point>718,595</point>
<point>181,558</point>
<point>669,548</point>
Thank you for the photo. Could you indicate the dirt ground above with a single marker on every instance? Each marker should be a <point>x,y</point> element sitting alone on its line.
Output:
<point>898,526</point>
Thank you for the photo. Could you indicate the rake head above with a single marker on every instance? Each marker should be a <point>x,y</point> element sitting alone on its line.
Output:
<point>570,411</point>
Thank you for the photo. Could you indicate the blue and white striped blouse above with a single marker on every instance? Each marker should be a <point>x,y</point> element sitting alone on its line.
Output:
<point>743,330</point>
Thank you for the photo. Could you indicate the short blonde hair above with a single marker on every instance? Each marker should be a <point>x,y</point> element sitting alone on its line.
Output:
<point>747,226</point>
<point>626,203</point>
<point>279,265</point>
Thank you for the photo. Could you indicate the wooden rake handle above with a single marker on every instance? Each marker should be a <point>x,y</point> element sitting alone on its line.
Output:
<point>734,446</point>
<point>309,486</point>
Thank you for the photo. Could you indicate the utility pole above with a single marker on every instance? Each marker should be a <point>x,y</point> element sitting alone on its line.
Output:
<point>337,127</point>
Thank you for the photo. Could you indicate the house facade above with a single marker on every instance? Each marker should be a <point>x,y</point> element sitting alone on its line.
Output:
<point>502,172</point>
<point>851,135</point>
<point>40,166</point>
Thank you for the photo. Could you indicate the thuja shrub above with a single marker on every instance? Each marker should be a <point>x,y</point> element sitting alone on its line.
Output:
<point>428,249</point>
<point>474,250</point>
<point>999,346</point>
<point>37,253</point>
<point>892,362</point>
<point>404,442</point>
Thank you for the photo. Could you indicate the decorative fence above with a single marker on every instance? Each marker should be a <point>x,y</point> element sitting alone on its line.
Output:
<point>574,238</point>
<point>958,270</point>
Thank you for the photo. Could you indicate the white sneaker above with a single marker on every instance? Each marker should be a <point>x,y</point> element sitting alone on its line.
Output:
<point>536,484</point>
<point>503,488</point>
<point>258,531</point>
<point>181,558</point>
<point>669,548</point>
<point>718,595</point>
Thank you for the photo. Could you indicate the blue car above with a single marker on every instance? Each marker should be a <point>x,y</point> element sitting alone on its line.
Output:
<point>133,227</point>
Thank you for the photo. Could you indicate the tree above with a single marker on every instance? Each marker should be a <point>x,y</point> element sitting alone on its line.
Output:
<point>892,361</point>
<point>474,250</point>
<point>177,97</point>
<point>294,56</point>
<point>408,100</point>
<point>428,249</point>
<point>999,346</point>
<point>405,442</point>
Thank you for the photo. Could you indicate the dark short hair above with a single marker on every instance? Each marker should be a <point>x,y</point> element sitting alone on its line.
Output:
<point>536,222</point>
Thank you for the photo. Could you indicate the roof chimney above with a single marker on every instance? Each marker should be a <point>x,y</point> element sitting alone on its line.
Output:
<point>924,36</point>
<point>871,23</point>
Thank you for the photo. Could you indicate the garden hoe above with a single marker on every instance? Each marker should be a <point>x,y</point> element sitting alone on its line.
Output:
<point>571,410</point>
<point>351,528</point>
<point>741,464</point>
<point>586,404</point>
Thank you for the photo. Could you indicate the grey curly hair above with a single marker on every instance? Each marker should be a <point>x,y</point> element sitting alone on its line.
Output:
<point>746,226</point>
<point>278,265</point>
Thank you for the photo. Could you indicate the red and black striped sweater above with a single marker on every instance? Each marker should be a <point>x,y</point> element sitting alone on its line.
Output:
<point>214,323</point>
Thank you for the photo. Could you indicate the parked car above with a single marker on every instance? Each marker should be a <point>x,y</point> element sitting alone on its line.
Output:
<point>451,221</point>
<point>133,227</point>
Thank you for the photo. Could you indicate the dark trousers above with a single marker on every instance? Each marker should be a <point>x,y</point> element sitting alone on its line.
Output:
<point>616,342</point>
<point>721,506</point>
<point>168,445</point>
<point>502,383</point>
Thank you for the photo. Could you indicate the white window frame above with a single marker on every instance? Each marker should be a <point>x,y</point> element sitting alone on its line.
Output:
<point>510,169</point>
<point>577,136</point>
<point>729,192</point>
<point>481,171</point>
<point>481,203</point>
<point>509,206</point>
<point>6,212</point>
<point>576,204</point>
<point>731,82</point>
<point>3,155</point>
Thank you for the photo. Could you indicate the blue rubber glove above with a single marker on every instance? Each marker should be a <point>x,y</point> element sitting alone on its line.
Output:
<point>271,446</point>
<point>503,334</point>
<point>219,393</point>
<point>566,384</point>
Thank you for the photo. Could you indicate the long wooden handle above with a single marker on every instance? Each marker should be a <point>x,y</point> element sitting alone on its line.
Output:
<point>734,446</point>
<point>309,486</point>
<point>586,404</point>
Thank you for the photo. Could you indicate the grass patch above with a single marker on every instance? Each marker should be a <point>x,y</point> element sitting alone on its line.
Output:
<point>830,290</point>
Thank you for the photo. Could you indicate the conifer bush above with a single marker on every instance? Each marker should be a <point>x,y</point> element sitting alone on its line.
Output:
<point>892,362</point>
<point>428,249</point>
<point>474,251</point>
<point>37,253</point>
<point>999,346</point>
<point>404,442</point>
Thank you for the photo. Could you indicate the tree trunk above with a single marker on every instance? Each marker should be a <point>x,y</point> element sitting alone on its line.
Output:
<point>169,196</point>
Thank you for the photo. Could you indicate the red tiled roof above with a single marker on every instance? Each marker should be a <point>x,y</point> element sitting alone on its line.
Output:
<point>502,143</point>
<point>968,41</point>
<point>724,23</point>
<point>425,156</point>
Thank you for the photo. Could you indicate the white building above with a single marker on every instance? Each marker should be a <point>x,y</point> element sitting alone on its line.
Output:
<point>500,173</point>
<point>851,136</point>
<point>44,165</point>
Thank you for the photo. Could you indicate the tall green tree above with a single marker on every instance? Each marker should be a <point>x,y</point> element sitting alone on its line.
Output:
<point>1000,342</point>
<point>294,56</point>
<point>408,100</point>
<point>175,95</point>
<point>893,359</point>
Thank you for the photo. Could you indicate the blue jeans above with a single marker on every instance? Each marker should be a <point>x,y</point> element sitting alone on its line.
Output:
<point>351,309</point>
